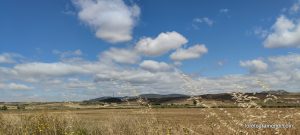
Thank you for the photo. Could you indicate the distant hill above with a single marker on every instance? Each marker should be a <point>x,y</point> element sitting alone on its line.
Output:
<point>154,98</point>
<point>159,99</point>
<point>276,92</point>
<point>229,96</point>
<point>106,100</point>
<point>149,96</point>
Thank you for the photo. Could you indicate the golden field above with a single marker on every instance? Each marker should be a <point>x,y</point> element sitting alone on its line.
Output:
<point>149,121</point>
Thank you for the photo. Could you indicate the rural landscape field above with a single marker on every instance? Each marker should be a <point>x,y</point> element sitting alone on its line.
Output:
<point>155,121</point>
<point>149,67</point>
<point>159,115</point>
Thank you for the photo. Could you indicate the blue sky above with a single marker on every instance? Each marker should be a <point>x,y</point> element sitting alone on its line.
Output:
<point>245,40</point>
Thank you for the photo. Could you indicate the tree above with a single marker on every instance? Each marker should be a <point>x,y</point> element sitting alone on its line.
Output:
<point>194,102</point>
<point>4,107</point>
<point>19,107</point>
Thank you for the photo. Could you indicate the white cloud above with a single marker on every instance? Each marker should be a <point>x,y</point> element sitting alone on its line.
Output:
<point>295,7</point>
<point>120,56</point>
<point>48,69</point>
<point>5,59</point>
<point>255,66</point>
<point>37,71</point>
<point>261,32</point>
<point>155,66</point>
<point>286,33</point>
<point>75,83</point>
<point>193,52</point>
<point>9,57</point>
<point>88,79</point>
<point>14,86</point>
<point>112,20</point>
<point>163,43</point>
<point>286,62</point>
<point>205,20</point>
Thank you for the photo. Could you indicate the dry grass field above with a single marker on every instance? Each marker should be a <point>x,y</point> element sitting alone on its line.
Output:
<point>163,121</point>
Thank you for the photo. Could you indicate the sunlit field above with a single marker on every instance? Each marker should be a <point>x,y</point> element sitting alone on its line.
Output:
<point>147,121</point>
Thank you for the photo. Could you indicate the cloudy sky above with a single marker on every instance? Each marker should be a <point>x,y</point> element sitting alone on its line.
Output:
<point>59,50</point>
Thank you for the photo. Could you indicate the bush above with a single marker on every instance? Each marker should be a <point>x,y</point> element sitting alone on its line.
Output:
<point>4,108</point>
<point>194,102</point>
<point>21,107</point>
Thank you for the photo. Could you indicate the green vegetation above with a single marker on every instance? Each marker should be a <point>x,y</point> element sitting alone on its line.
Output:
<point>4,108</point>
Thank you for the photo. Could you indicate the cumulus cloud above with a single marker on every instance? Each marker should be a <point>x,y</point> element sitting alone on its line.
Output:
<point>248,83</point>
<point>155,66</point>
<point>285,33</point>
<point>163,43</point>
<point>193,52</point>
<point>48,69</point>
<point>255,66</point>
<point>172,81</point>
<point>61,69</point>
<point>112,20</point>
<point>89,79</point>
<point>120,55</point>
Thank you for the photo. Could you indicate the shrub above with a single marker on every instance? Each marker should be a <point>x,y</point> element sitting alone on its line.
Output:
<point>4,108</point>
<point>20,107</point>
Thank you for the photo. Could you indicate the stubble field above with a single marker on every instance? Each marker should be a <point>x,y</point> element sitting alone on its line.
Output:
<point>147,121</point>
